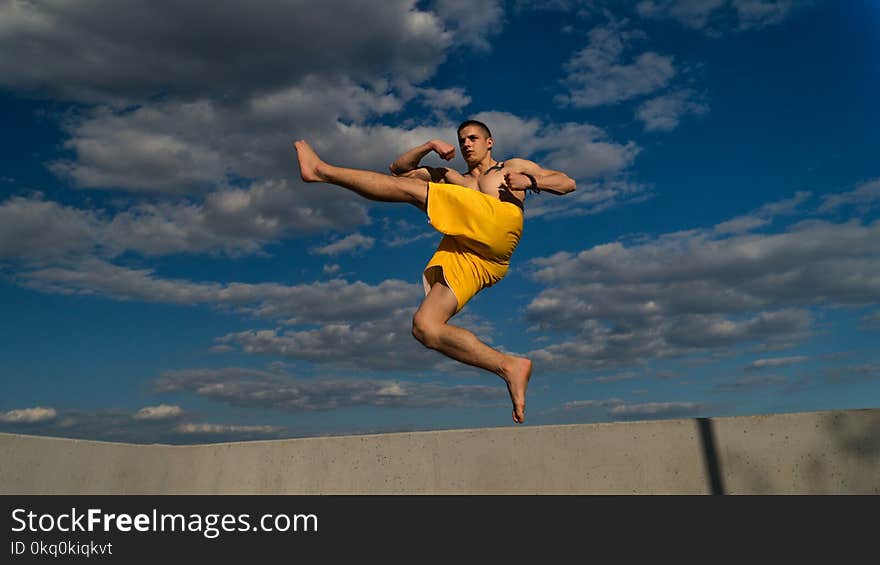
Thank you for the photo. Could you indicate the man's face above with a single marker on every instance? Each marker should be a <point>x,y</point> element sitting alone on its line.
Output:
<point>474,144</point>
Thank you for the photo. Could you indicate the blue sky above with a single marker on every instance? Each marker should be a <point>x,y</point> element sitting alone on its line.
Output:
<point>166,277</point>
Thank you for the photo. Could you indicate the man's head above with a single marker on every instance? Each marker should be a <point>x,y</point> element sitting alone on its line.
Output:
<point>475,141</point>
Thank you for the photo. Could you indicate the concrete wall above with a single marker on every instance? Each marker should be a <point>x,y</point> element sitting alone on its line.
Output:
<point>820,452</point>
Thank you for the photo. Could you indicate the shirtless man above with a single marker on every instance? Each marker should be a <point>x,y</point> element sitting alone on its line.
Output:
<point>480,214</point>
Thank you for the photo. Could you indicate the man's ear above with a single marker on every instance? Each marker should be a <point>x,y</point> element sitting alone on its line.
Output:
<point>490,142</point>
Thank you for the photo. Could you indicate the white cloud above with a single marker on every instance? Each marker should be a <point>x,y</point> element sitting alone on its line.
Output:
<point>240,221</point>
<point>397,240</point>
<point>700,291</point>
<point>160,412</point>
<point>271,209</point>
<point>776,362</point>
<point>619,409</point>
<point>397,233</point>
<point>348,244</point>
<point>582,151</point>
<point>28,415</point>
<point>589,199</point>
<point>597,75</point>
<point>120,151</point>
<point>321,302</point>
<point>715,17</point>
<point>578,404</point>
<point>235,222</point>
<point>657,410</point>
<point>157,424</point>
<point>756,14</point>
<point>866,195</point>
<point>262,389</point>
<point>664,113</point>
<point>227,429</point>
<point>473,22</point>
<point>345,345</point>
<point>187,148</point>
<point>764,215</point>
<point>625,376</point>
<point>33,227</point>
<point>221,119</point>
<point>751,382</point>
<point>381,343</point>
<point>385,343</point>
<point>63,47</point>
<point>446,98</point>
<point>690,13</point>
<point>607,342</point>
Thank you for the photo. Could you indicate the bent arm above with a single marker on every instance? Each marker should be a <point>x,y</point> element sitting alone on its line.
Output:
<point>547,180</point>
<point>408,164</point>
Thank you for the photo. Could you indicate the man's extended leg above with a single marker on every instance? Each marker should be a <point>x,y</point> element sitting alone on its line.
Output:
<point>368,184</point>
<point>430,328</point>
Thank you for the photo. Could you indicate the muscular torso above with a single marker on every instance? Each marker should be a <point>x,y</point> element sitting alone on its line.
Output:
<point>491,183</point>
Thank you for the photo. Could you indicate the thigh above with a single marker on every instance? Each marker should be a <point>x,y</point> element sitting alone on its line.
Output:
<point>416,191</point>
<point>439,305</point>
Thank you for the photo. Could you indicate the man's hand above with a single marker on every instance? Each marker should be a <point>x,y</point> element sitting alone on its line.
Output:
<point>517,181</point>
<point>408,163</point>
<point>445,150</point>
<point>517,171</point>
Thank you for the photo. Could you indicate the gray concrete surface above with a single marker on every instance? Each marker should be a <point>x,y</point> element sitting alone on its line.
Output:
<point>835,452</point>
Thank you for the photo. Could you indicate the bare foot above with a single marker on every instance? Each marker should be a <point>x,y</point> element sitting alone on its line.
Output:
<point>517,373</point>
<point>309,162</point>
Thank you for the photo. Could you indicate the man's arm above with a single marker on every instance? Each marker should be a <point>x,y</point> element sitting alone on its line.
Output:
<point>408,163</point>
<point>519,173</point>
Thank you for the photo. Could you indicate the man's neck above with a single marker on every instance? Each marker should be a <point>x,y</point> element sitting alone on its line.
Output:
<point>478,169</point>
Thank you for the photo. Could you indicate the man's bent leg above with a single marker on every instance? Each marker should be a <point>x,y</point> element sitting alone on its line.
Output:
<point>431,328</point>
<point>371,185</point>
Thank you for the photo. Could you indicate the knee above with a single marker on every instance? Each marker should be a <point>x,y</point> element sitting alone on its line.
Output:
<point>426,331</point>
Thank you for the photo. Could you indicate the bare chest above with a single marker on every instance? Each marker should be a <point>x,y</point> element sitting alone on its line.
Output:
<point>494,184</point>
<point>491,183</point>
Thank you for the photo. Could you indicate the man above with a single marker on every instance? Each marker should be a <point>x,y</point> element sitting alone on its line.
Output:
<point>480,213</point>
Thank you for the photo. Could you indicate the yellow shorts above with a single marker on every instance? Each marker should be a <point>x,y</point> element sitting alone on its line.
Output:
<point>481,233</point>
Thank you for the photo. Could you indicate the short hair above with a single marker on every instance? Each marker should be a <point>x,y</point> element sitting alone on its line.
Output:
<point>467,123</point>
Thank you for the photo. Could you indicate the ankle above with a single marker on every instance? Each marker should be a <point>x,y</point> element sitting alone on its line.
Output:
<point>321,171</point>
<point>505,366</point>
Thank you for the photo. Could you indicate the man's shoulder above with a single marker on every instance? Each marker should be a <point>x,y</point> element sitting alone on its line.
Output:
<point>517,162</point>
